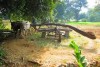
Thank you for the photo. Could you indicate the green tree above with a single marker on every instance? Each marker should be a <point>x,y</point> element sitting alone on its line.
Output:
<point>26,9</point>
<point>76,6</point>
<point>83,17</point>
<point>60,10</point>
<point>94,14</point>
<point>97,8</point>
<point>70,9</point>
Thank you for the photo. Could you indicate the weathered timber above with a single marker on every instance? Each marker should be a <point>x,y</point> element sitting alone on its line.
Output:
<point>46,29</point>
<point>43,34</point>
<point>57,31</point>
<point>4,32</point>
<point>87,34</point>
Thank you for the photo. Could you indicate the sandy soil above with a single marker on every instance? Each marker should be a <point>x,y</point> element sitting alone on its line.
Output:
<point>24,53</point>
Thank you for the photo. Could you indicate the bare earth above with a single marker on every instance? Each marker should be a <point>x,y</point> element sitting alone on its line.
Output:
<point>24,53</point>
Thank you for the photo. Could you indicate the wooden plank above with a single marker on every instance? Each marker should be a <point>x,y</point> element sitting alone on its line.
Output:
<point>57,32</point>
<point>43,34</point>
<point>91,36</point>
<point>45,29</point>
<point>64,29</point>
<point>6,31</point>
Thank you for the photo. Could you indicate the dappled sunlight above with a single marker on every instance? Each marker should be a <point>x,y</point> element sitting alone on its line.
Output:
<point>48,52</point>
<point>7,24</point>
<point>20,50</point>
<point>55,27</point>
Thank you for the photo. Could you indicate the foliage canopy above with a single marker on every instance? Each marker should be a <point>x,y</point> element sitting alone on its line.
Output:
<point>69,9</point>
<point>26,9</point>
<point>94,14</point>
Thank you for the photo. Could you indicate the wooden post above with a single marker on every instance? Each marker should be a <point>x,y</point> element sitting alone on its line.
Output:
<point>43,34</point>
<point>59,39</point>
<point>67,34</point>
<point>57,32</point>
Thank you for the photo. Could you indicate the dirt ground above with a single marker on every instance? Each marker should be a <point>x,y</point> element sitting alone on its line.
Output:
<point>25,53</point>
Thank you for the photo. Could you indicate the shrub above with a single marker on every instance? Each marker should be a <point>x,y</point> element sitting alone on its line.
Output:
<point>77,54</point>
<point>2,56</point>
<point>84,20</point>
<point>1,25</point>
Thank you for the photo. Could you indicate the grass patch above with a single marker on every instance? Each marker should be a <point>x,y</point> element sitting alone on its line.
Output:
<point>84,23</point>
<point>2,56</point>
<point>43,42</point>
<point>97,58</point>
<point>78,38</point>
<point>50,42</point>
<point>5,24</point>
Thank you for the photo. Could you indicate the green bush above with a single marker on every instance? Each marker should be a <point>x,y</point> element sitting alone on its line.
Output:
<point>2,56</point>
<point>77,53</point>
<point>84,20</point>
<point>1,25</point>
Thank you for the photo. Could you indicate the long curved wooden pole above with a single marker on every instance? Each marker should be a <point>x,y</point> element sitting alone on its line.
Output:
<point>87,34</point>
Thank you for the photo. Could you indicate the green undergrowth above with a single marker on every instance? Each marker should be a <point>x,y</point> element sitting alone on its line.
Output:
<point>2,56</point>
<point>81,40</point>
<point>78,55</point>
<point>5,24</point>
<point>43,42</point>
<point>84,23</point>
<point>51,42</point>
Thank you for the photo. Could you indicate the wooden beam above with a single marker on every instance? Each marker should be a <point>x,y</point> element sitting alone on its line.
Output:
<point>89,35</point>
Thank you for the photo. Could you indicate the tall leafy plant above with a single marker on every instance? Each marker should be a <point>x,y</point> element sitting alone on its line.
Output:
<point>78,55</point>
<point>2,55</point>
<point>1,25</point>
<point>26,9</point>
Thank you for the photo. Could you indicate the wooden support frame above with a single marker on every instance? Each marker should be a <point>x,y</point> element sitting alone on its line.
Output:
<point>56,30</point>
<point>89,35</point>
